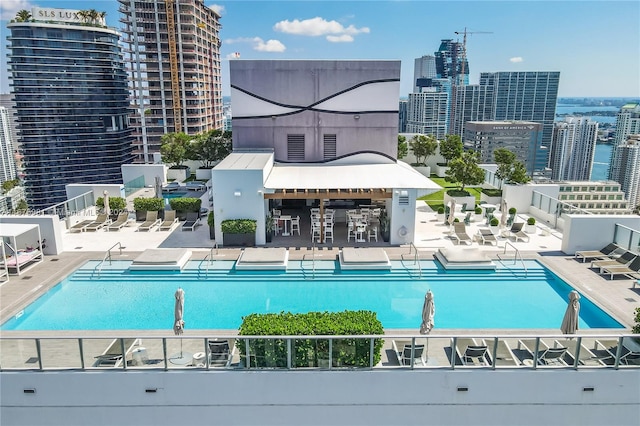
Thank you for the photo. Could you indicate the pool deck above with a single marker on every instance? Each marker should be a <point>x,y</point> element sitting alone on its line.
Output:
<point>617,296</point>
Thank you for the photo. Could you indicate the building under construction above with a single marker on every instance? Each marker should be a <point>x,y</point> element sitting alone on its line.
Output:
<point>172,50</point>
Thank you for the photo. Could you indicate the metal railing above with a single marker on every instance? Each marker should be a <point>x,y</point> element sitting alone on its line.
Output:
<point>107,255</point>
<point>327,352</point>
<point>516,255</point>
<point>416,257</point>
<point>208,259</point>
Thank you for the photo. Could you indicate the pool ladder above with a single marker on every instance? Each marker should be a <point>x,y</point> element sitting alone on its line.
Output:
<point>416,258</point>
<point>516,255</point>
<point>208,258</point>
<point>313,260</point>
<point>107,255</point>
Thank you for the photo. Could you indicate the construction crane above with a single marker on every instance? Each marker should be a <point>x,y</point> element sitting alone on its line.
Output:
<point>464,49</point>
<point>173,61</point>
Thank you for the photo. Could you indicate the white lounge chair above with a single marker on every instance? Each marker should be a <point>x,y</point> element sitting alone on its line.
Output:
<point>546,355</point>
<point>607,252</point>
<point>460,233</point>
<point>169,220</point>
<point>113,356</point>
<point>500,354</point>
<point>486,236</point>
<point>121,221</point>
<point>471,352</point>
<point>101,221</point>
<point>150,222</point>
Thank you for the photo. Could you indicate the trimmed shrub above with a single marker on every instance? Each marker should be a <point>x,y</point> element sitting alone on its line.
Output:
<point>115,203</point>
<point>306,352</point>
<point>490,192</point>
<point>494,222</point>
<point>478,210</point>
<point>238,226</point>
<point>531,221</point>
<point>440,210</point>
<point>185,204</point>
<point>148,204</point>
<point>512,210</point>
<point>458,193</point>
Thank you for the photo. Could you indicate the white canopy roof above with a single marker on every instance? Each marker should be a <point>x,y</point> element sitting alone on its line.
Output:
<point>343,176</point>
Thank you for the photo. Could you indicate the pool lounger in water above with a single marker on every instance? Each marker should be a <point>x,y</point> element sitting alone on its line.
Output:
<point>364,258</point>
<point>464,258</point>
<point>161,260</point>
<point>261,259</point>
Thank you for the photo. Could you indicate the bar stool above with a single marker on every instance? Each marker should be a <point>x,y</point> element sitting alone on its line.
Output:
<point>295,225</point>
<point>373,232</point>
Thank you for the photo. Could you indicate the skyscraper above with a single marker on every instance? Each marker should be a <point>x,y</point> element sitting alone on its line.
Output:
<point>72,102</point>
<point>627,123</point>
<point>509,96</point>
<point>449,62</point>
<point>628,166</point>
<point>7,159</point>
<point>572,149</point>
<point>427,113</point>
<point>423,68</point>
<point>173,59</point>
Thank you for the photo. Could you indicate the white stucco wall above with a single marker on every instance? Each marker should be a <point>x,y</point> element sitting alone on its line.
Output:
<point>373,397</point>
<point>149,171</point>
<point>592,232</point>
<point>402,216</point>
<point>249,204</point>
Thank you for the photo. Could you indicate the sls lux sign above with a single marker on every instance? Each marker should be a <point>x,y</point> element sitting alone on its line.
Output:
<point>60,15</point>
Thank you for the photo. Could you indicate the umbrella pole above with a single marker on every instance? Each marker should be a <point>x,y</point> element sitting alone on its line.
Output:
<point>181,347</point>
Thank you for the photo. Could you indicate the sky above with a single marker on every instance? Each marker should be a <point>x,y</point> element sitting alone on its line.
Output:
<point>594,44</point>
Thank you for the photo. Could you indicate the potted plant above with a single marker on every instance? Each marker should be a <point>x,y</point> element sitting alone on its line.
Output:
<point>530,227</point>
<point>184,205</point>
<point>142,205</point>
<point>239,232</point>
<point>494,226</point>
<point>385,232</point>
<point>478,214</point>
<point>212,225</point>
<point>269,226</point>
<point>512,211</point>
<point>440,214</point>
<point>116,205</point>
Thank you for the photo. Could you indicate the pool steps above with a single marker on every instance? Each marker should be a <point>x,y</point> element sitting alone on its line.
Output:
<point>307,274</point>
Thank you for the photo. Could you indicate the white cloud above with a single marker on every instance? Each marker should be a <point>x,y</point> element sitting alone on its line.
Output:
<point>269,45</point>
<point>344,38</point>
<point>218,8</point>
<point>9,8</point>
<point>315,27</point>
<point>259,44</point>
<point>516,59</point>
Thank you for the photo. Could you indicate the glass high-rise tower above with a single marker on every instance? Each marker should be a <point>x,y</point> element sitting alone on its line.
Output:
<point>70,89</point>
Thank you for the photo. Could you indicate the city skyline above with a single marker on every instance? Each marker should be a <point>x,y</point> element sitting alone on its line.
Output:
<point>525,36</point>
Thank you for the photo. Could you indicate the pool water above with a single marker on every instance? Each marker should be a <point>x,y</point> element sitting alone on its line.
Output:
<point>220,297</point>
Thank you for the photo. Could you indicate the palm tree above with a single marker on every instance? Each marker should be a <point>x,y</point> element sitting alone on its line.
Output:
<point>93,15</point>
<point>23,16</point>
<point>84,15</point>
<point>102,16</point>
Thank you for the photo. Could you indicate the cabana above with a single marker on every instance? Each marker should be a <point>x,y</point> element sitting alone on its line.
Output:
<point>22,244</point>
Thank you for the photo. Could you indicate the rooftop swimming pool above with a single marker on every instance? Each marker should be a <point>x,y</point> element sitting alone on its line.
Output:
<point>508,298</point>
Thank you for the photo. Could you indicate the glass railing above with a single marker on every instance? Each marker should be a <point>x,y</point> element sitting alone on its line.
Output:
<point>627,238</point>
<point>133,185</point>
<point>321,352</point>
<point>71,206</point>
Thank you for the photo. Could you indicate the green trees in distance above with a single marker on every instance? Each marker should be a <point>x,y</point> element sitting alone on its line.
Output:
<point>91,16</point>
<point>209,147</point>
<point>403,150</point>
<point>451,147</point>
<point>175,148</point>
<point>23,16</point>
<point>464,170</point>
<point>509,168</point>
<point>423,147</point>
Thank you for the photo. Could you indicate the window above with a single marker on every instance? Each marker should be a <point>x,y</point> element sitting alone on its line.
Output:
<point>295,147</point>
<point>329,147</point>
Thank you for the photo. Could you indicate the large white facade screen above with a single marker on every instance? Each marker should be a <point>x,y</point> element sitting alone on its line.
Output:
<point>366,98</point>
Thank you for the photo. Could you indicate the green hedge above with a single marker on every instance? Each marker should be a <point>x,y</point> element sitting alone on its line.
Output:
<point>115,203</point>
<point>458,193</point>
<point>490,192</point>
<point>148,204</point>
<point>185,204</point>
<point>238,226</point>
<point>311,352</point>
